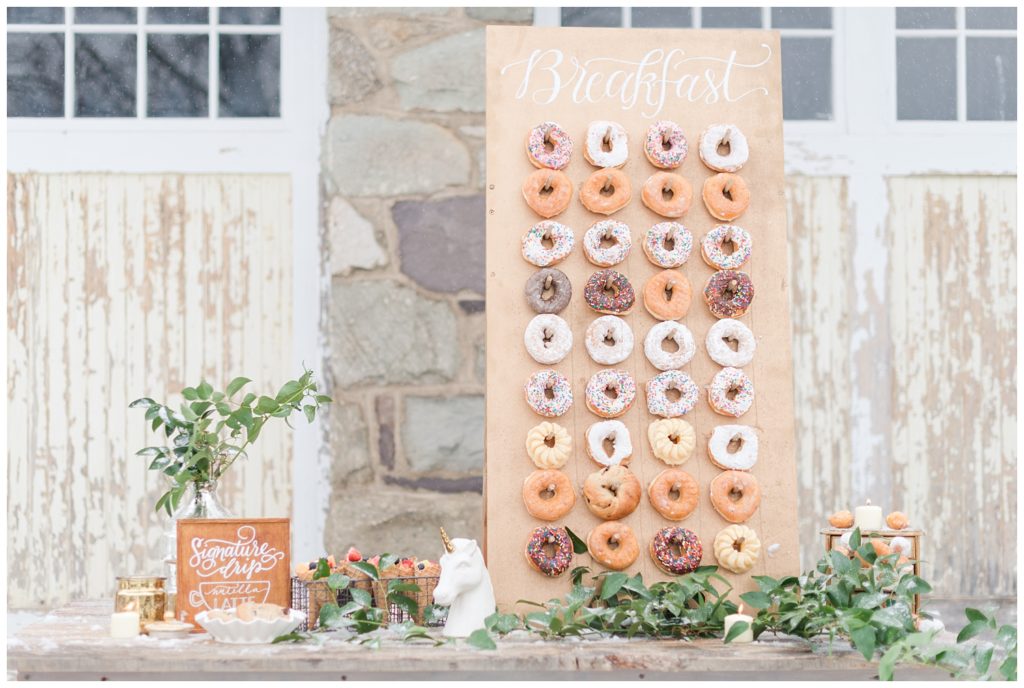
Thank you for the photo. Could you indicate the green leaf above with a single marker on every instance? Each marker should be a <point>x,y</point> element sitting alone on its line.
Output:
<point>611,584</point>
<point>502,623</point>
<point>855,539</point>
<point>481,640</point>
<point>310,412</point>
<point>223,408</point>
<point>757,600</point>
<point>293,637</point>
<point>736,631</point>
<point>887,665</point>
<point>766,583</point>
<point>338,581</point>
<point>190,393</point>
<point>330,615</point>
<point>395,585</point>
<point>144,402</point>
<point>1009,668</point>
<point>982,660</point>
<point>248,399</point>
<point>975,615</point>
<point>864,640</point>
<point>322,399</point>
<point>266,405</point>
<point>204,390</point>
<point>1007,634</point>
<point>235,385</point>
<point>362,597</point>
<point>404,602</point>
<point>578,545</point>
<point>970,630</point>
<point>323,569</point>
<point>288,391</point>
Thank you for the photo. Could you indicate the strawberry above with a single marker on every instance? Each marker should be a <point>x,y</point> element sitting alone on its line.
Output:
<point>353,555</point>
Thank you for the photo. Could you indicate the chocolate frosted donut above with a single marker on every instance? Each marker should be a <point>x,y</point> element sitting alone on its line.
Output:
<point>548,291</point>
<point>608,291</point>
<point>729,293</point>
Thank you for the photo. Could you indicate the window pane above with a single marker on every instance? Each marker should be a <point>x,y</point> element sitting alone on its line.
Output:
<point>105,15</point>
<point>591,16</point>
<point>35,75</point>
<point>35,15</point>
<point>250,15</point>
<point>250,75</point>
<point>992,78</point>
<point>730,17</point>
<point>925,17</point>
<point>926,78</point>
<point>177,15</point>
<point>105,75</point>
<point>806,78</point>
<point>801,17</point>
<point>177,67</point>
<point>677,17</point>
<point>992,18</point>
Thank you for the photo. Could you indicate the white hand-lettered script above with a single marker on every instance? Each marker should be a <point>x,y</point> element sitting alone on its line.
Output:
<point>244,557</point>
<point>658,76</point>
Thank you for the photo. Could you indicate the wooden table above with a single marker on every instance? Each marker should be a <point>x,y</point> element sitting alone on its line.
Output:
<point>72,643</point>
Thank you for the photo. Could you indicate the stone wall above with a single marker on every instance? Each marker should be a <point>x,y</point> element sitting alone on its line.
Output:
<point>403,160</point>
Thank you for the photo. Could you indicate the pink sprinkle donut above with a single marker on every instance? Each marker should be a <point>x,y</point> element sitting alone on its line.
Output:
<point>656,244</point>
<point>562,241</point>
<point>619,383</point>
<point>665,145</point>
<point>716,257</point>
<point>549,133</point>
<point>731,380</point>
<point>537,393</point>
<point>658,402</point>
<point>607,256</point>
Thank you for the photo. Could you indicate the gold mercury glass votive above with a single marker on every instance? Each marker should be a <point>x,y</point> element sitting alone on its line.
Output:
<point>143,594</point>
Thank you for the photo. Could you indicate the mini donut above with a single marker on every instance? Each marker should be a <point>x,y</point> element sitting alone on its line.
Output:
<point>556,563</point>
<point>726,196</point>
<point>676,550</point>
<point>737,548</point>
<point>667,194</point>
<point>672,331</point>
<point>548,495</point>
<point>711,247</point>
<point>547,192</point>
<point>668,244</point>
<point>743,438</point>
<point>729,293</point>
<point>659,404</point>
<point>665,145</point>
<point>548,291</point>
<point>897,520</point>
<point>735,495</point>
<point>609,340</point>
<point>605,192</point>
<point>612,492</point>
<point>619,383</point>
<point>728,330</point>
<point>543,136</point>
<point>546,382</point>
<point>607,144</point>
<point>902,545</point>
<point>560,236</point>
<point>674,494</point>
<point>617,434</point>
<point>667,295</point>
<point>613,545</point>
<point>672,440</point>
<point>548,445</point>
<point>735,381</point>
<point>607,256</point>
<point>730,136</point>
<point>608,291</point>
<point>841,519</point>
<point>548,339</point>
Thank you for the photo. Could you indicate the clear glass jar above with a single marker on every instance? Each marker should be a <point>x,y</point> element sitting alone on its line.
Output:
<point>143,594</point>
<point>199,501</point>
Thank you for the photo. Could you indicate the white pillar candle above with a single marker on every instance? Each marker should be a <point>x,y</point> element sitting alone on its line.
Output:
<point>867,517</point>
<point>746,636</point>
<point>124,624</point>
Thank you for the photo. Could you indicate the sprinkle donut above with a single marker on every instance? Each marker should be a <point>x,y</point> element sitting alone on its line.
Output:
<point>560,236</point>
<point>548,339</point>
<point>658,403</point>
<point>715,256</point>
<point>665,145</point>
<point>608,291</point>
<point>735,381</point>
<point>613,545</point>
<point>548,495</point>
<point>543,136</point>
<point>730,136</point>
<point>619,383</point>
<point>548,291</point>
<point>728,330</point>
<point>606,191</point>
<point>735,495</point>
<point>556,563</point>
<point>729,293</point>
<point>548,445</point>
<point>726,196</point>
<point>724,438</point>
<point>669,330</point>
<point>657,243</point>
<point>668,541</point>
<point>667,194</point>
<point>612,492</point>
<point>674,494</point>
<point>538,387</point>
<point>602,134</point>
<point>607,256</point>
<point>609,340</point>
<point>672,440</point>
<point>547,192</point>
<point>667,295</point>
<point>737,548</point>
<point>617,434</point>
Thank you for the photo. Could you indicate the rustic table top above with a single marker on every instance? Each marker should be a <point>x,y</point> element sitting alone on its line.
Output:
<point>73,642</point>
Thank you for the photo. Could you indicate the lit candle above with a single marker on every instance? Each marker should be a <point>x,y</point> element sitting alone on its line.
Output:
<point>746,636</point>
<point>867,517</point>
<point>124,624</point>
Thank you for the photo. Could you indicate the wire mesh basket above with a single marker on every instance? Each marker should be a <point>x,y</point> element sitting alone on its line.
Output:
<point>309,596</point>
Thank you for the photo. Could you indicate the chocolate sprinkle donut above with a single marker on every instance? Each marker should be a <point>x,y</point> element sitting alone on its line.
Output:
<point>542,280</point>
<point>729,293</point>
<point>608,291</point>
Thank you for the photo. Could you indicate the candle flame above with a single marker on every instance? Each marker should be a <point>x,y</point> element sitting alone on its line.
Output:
<point>869,502</point>
<point>130,607</point>
<point>741,610</point>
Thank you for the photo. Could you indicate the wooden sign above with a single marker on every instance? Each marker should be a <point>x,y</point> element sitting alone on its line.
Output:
<point>225,562</point>
<point>634,77</point>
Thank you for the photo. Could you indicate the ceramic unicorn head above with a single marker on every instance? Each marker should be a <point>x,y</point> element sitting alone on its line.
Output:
<point>465,587</point>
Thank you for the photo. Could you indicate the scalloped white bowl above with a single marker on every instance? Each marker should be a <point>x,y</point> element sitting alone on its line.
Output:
<point>255,632</point>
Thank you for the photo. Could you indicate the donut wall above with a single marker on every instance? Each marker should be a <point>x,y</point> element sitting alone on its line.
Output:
<point>643,488</point>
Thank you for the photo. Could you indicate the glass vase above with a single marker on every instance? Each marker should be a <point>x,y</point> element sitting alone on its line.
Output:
<point>199,501</point>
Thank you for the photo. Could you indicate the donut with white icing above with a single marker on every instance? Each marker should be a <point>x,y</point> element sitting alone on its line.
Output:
<point>616,432</point>
<point>728,135</point>
<point>729,330</point>
<point>560,236</point>
<point>607,256</point>
<point>745,456</point>
<point>609,340</point>
<point>658,403</point>
<point>537,388</point>
<point>656,243</point>
<point>548,339</point>
<point>665,145</point>
<point>714,254</point>
<point>610,393</point>
<point>673,331</point>
<point>602,135</point>
<point>731,380</point>
<point>548,145</point>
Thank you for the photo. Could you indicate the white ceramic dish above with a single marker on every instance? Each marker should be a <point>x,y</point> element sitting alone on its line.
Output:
<point>255,632</point>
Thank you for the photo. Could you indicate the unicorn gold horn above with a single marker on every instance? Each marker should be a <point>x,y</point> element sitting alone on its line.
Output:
<point>448,546</point>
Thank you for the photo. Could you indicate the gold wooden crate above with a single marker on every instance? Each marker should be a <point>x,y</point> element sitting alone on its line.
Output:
<point>833,535</point>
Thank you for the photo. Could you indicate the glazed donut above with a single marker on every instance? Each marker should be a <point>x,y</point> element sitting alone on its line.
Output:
<point>674,494</point>
<point>548,445</point>
<point>676,550</point>
<point>724,438</point>
<point>547,192</point>
<point>675,332</point>
<point>728,135</point>
<point>602,134</point>
<point>560,236</point>
<point>616,433</point>
<point>605,192</point>
<point>548,145</point>
<point>545,383</point>
<point>613,545</point>
<point>548,291</point>
<point>612,492</point>
<point>607,256</point>
<point>667,295</point>
<point>548,495</point>
<point>714,254</point>
<point>665,145</point>
<point>659,404</point>
<point>601,402</point>
<point>725,195</point>
<point>672,440</point>
<point>728,330</point>
<point>608,291</point>
<point>736,382</point>
<point>729,293</point>
<point>735,495</point>
<point>668,244</point>
<point>609,340</point>
<point>737,548</point>
<point>556,563</point>
<point>667,194</point>
<point>548,339</point>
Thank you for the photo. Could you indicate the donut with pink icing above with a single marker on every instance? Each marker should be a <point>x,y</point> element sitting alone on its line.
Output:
<point>665,145</point>
<point>735,381</point>
<point>537,390</point>
<point>548,145</point>
<point>560,236</point>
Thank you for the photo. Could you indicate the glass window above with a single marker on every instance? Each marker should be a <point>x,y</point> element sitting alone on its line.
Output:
<point>177,75</point>
<point>35,15</point>
<point>991,78</point>
<point>925,17</point>
<point>731,17</point>
<point>992,18</point>
<point>926,78</point>
<point>105,15</point>
<point>806,78</point>
<point>177,15</point>
<point>674,17</point>
<point>591,16</point>
<point>105,75</point>
<point>35,75</point>
<point>801,17</point>
<point>249,15</point>
<point>250,75</point>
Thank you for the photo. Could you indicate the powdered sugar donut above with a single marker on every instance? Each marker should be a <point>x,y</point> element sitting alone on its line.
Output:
<point>607,256</point>
<point>665,145</point>
<point>731,380</point>
<point>715,256</point>
<point>730,330</point>
<point>669,360</point>
<point>548,339</point>
<point>658,402</point>
<point>617,434</point>
<point>610,393</point>
<point>606,144</point>
<point>668,244</point>
<point>562,241</point>
<point>549,134</point>
<point>743,437</point>
<point>728,135</point>
<point>609,340</point>
<point>540,385</point>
